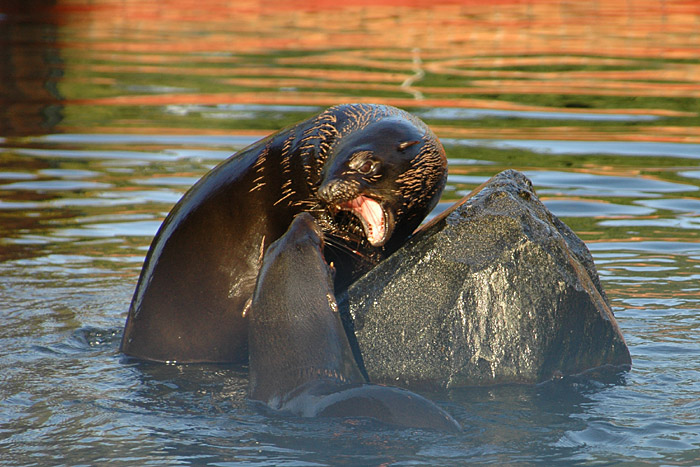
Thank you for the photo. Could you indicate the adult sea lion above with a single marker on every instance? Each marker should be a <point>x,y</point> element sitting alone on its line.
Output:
<point>368,173</point>
<point>300,358</point>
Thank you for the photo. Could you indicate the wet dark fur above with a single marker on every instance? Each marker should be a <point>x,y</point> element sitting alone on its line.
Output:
<point>300,358</point>
<point>200,271</point>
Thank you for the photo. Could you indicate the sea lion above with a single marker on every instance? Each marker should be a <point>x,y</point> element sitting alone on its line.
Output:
<point>300,357</point>
<point>369,174</point>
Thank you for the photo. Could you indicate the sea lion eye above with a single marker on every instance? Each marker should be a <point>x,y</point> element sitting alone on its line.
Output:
<point>366,167</point>
<point>363,163</point>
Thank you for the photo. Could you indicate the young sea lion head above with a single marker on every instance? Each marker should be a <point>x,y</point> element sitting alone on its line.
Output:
<point>300,249</point>
<point>388,174</point>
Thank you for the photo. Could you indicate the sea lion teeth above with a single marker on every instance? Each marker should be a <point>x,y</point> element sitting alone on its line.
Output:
<point>372,216</point>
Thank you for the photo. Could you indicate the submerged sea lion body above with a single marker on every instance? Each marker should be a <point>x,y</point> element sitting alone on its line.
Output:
<point>369,174</point>
<point>300,358</point>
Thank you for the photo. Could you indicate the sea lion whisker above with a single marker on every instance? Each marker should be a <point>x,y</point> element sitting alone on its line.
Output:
<point>339,246</point>
<point>356,252</point>
<point>290,193</point>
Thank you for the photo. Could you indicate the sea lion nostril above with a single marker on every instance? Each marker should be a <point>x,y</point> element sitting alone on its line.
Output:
<point>324,192</point>
<point>330,190</point>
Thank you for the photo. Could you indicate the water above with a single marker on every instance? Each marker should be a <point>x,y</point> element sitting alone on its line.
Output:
<point>110,110</point>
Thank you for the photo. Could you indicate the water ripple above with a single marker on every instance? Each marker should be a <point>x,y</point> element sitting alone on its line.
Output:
<point>55,185</point>
<point>620,148</point>
<point>451,113</point>
<point>605,185</point>
<point>575,208</point>
<point>678,248</point>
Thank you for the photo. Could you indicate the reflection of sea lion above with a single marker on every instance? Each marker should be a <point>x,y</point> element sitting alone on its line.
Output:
<point>376,162</point>
<point>300,358</point>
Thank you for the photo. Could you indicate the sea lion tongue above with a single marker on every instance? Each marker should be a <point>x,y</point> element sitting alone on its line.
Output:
<point>372,217</point>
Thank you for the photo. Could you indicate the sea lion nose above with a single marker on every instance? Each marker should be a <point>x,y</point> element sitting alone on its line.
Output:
<point>330,190</point>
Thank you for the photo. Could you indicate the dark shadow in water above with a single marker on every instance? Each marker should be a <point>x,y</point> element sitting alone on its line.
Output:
<point>30,67</point>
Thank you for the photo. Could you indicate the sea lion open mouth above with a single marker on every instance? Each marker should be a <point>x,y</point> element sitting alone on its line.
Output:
<point>373,217</point>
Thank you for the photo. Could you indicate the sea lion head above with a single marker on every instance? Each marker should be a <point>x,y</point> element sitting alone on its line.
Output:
<point>388,174</point>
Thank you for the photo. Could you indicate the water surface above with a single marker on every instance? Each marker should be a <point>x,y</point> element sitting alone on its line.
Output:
<point>110,110</point>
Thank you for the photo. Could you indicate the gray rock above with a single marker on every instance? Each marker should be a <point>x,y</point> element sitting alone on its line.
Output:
<point>494,290</point>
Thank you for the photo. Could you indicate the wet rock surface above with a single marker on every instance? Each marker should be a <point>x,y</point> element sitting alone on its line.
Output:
<point>495,290</point>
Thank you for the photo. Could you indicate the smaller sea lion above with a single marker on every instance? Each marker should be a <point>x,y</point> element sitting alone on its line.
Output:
<point>300,358</point>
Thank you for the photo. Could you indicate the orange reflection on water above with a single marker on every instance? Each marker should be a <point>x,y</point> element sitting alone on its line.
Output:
<point>410,53</point>
<point>643,28</point>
